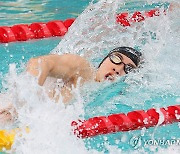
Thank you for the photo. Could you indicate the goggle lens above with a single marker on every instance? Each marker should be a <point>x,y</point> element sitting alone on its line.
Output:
<point>116,59</point>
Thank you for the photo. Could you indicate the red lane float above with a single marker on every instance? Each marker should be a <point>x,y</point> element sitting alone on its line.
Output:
<point>22,32</point>
<point>68,22</point>
<point>125,19</point>
<point>125,122</point>
<point>40,30</point>
<point>25,32</point>
<point>6,35</point>
<point>57,28</point>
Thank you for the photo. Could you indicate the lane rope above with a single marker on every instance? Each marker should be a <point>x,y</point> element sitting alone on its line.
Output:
<point>107,124</point>
<point>126,122</point>
<point>39,30</point>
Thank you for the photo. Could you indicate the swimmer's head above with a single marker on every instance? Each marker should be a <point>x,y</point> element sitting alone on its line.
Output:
<point>118,62</point>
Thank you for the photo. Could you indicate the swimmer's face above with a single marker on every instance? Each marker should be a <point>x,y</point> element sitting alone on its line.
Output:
<point>110,71</point>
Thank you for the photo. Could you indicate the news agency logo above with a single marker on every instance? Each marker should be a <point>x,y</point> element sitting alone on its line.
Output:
<point>137,141</point>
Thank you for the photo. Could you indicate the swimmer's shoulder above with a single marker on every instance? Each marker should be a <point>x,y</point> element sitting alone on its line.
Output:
<point>67,56</point>
<point>69,60</point>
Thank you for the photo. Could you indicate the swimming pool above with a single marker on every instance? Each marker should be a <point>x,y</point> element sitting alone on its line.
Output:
<point>99,99</point>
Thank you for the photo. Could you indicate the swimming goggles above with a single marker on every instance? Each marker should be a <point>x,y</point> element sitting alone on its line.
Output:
<point>116,58</point>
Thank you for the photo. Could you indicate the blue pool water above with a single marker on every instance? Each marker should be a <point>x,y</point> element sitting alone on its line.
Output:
<point>107,99</point>
<point>18,11</point>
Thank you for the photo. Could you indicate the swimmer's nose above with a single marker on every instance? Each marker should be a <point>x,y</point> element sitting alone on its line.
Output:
<point>115,72</point>
<point>118,70</point>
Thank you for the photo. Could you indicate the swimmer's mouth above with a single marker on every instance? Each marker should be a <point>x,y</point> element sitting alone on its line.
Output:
<point>109,77</point>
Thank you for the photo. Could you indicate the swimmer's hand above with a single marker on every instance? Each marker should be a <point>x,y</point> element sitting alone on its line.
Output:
<point>7,115</point>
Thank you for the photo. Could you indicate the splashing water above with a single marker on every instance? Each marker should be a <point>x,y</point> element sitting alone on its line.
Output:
<point>49,122</point>
<point>93,34</point>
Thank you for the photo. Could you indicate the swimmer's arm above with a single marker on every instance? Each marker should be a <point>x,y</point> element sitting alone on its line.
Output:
<point>43,75</point>
<point>7,114</point>
<point>40,67</point>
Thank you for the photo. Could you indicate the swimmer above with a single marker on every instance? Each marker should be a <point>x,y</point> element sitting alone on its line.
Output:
<point>70,67</point>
